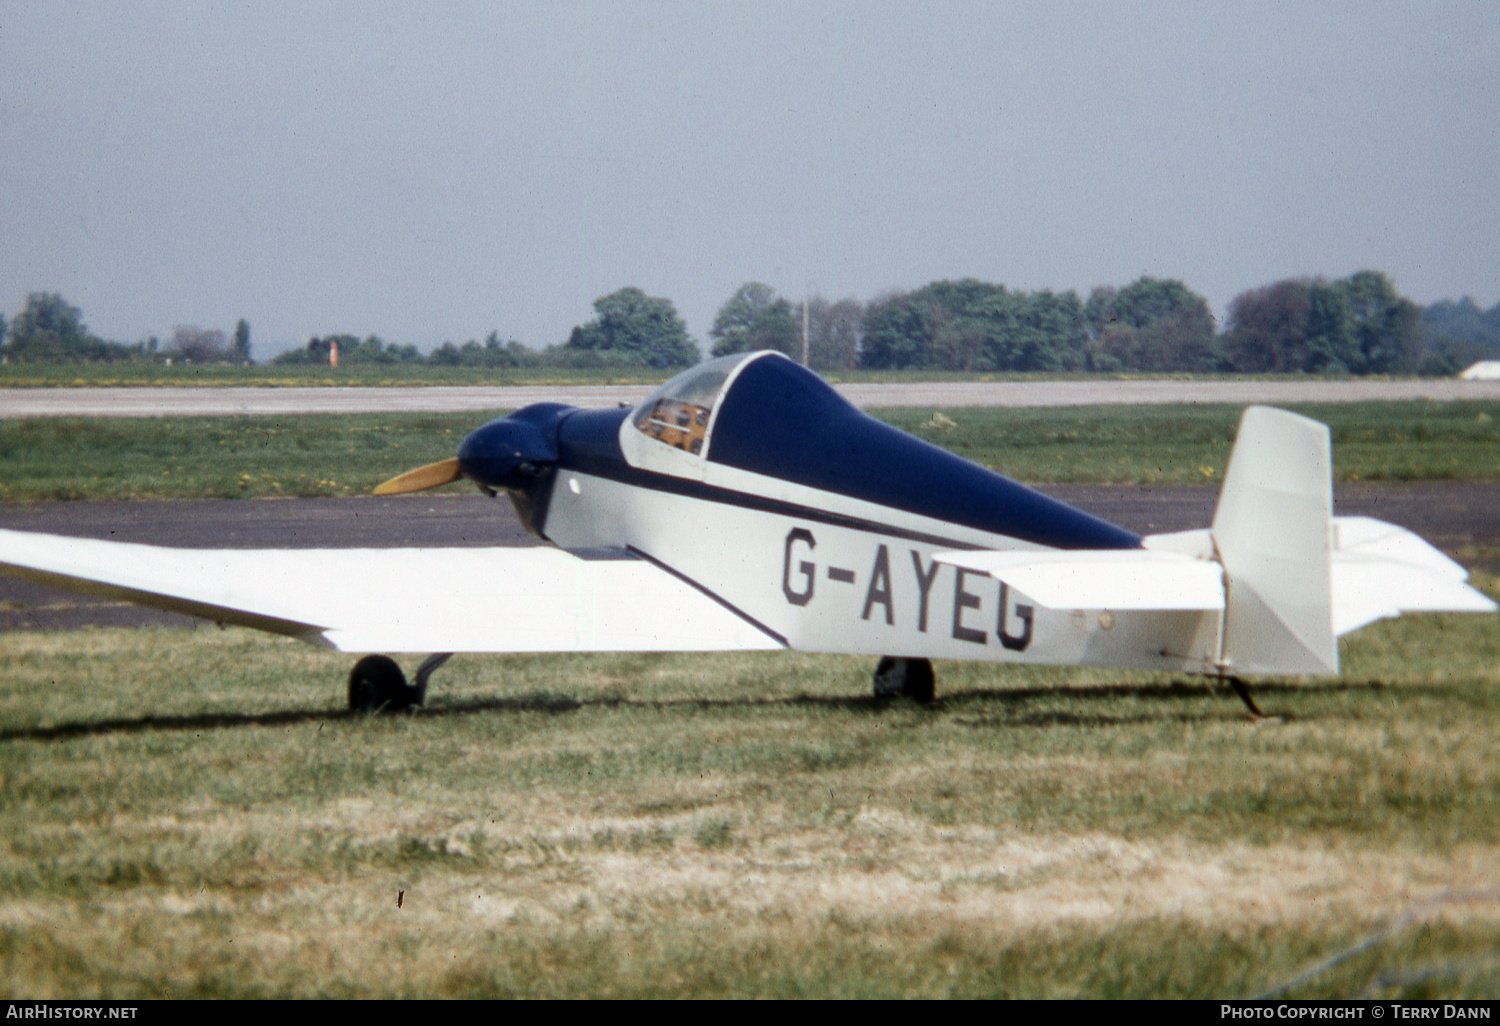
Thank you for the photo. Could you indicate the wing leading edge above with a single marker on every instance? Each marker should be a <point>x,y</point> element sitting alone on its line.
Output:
<point>404,600</point>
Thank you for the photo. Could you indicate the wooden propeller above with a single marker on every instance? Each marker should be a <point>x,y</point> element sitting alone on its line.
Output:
<point>419,480</point>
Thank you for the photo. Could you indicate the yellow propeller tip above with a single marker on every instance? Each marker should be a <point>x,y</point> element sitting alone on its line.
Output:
<point>422,478</point>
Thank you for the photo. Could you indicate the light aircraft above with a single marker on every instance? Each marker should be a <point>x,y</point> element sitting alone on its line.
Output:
<point>746,505</point>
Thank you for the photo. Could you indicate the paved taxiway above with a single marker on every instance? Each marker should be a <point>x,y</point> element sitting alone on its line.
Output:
<point>192,401</point>
<point>1463,519</point>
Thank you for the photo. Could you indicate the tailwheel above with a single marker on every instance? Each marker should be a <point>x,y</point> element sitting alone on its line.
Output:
<point>376,684</point>
<point>1244,693</point>
<point>904,678</point>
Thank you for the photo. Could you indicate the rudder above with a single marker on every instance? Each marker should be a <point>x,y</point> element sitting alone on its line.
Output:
<point>1273,532</point>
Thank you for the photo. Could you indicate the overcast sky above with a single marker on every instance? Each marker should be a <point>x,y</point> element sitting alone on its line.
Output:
<point>433,171</point>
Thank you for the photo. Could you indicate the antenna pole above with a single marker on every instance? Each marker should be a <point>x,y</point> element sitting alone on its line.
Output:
<point>804,331</point>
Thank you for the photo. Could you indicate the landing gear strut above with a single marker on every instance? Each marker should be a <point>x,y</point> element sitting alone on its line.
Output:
<point>376,684</point>
<point>904,678</point>
<point>1244,693</point>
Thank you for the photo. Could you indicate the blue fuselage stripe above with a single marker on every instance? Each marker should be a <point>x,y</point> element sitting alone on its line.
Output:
<point>582,453</point>
<point>780,420</point>
<point>914,477</point>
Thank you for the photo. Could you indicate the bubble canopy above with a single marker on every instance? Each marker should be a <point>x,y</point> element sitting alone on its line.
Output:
<point>680,411</point>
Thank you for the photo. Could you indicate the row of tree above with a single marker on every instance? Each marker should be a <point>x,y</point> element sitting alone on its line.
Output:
<point>1355,325</point>
<point>1456,334</point>
<point>969,325</point>
<point>629,329</point>
<point>51,330</point>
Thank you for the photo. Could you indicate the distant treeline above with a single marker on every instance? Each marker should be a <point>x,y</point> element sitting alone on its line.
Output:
<point>630,329</point>
<point>1355,325</point>
<point>51,330</point>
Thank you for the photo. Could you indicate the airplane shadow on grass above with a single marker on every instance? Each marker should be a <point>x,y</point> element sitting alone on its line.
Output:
<point>974,707</point>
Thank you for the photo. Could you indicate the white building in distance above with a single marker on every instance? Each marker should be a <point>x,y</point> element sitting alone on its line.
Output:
<point>1484,370</point>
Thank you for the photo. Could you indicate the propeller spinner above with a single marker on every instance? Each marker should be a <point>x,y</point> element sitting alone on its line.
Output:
<point>511,452</point>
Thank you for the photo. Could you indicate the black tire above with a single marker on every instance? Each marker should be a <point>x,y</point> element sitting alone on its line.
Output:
<point>905,678</point>
<point>376,684</point>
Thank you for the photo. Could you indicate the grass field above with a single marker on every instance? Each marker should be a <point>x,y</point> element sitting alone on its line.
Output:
<point>224,457</point>
<point>193,814</point>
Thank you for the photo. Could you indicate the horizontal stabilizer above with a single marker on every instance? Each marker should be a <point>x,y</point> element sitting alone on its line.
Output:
<point>1112,579</point>
<point>1381,570</point>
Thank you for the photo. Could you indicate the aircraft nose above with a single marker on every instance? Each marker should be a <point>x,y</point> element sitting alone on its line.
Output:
<point>511,452</point>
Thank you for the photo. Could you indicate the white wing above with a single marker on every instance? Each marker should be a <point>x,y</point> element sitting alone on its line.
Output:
<point>405,600</point>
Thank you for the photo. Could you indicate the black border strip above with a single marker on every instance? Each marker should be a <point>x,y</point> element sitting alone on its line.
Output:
<point>685,579</point>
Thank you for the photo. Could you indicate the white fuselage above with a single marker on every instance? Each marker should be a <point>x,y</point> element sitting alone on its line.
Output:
<point>825,572</point>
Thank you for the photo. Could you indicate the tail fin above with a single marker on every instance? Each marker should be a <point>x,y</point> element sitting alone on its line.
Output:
<point>1273,531</point>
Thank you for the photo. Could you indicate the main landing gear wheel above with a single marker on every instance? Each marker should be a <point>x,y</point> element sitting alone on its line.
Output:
<point>376,684</point>
<point>904,678</point>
